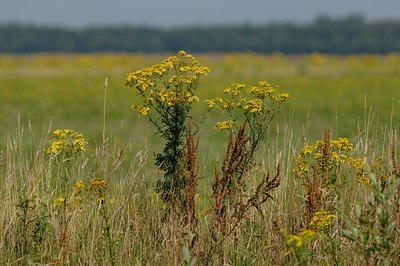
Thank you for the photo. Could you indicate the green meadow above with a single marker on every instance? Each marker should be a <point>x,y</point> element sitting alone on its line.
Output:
<point>335,92</point>
<point>332,148</point>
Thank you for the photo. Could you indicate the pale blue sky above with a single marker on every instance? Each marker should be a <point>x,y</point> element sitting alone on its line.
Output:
<point>81,13</point>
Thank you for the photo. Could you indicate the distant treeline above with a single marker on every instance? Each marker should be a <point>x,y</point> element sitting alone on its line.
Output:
<point>326,35</point>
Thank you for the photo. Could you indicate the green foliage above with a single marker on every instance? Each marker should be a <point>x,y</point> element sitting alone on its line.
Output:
<point>21,245</point>
<point>375,228</point>
<point>40,227</point>
<point>31,228</point>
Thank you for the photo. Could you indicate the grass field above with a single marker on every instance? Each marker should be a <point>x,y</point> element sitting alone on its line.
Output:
<point>48,217</point>
<point>330,91</point>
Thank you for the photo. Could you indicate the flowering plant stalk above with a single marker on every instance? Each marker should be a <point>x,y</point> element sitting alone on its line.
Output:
<point>66,146</point>
<point>167,91</point>
<point>65,149</point>
<point>254,108</point>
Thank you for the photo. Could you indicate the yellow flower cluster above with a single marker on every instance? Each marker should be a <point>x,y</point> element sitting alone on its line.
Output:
<point>309,155</point>
<point>223,125</point>
<point>141,110</point>
<point>321,220</point>
<point>280,98</point>
<point>58,202</point>
<point>227,105</point>
<point>58,205</point>
<point>66,141</point>
<point>251,106</point>
<point>254,102</point>
<point>174,98</point>
<point>77,199</point>
<point>212,102</point>
<point>79,186</point>
<point>98,188</point>
<point>262,91</point>
<point>167,84</point>
<point>330,160</point>
<point>298,241</point>
<point>362,175</point>
<point>234,90</point>
<point>338,150</point>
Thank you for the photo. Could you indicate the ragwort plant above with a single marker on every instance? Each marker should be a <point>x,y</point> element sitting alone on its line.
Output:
<point>167,91</point>
<point>319,168</point>
<point>254,108</point>
<point>65,150</point>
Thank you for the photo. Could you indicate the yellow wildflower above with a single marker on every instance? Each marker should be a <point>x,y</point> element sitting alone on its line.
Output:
<point>190,79</point>
<point>79,186</point>
<point>193,98</point>
<point>101,199</point>
<point>98,184</point>
<point>343,144</point>
<point>66,141</point>
<point>58,202</point>
<point>261,92</point>
<point>185,69</point>
<point>203,70</point>
<point>227,105</point>
<point>141,110</point>
<point>224,125</point>
<point>165,84</point>
<point>329,159</point>
<point>321,220</point>
<point>182,53</point>
<point>58,205</point>
<point>362,175</point>
<point>280,97</point>
<point>212,102</point>
<point>297,241</point>
<point>98,188</point>
<point>252,106</point>
<point>234,89</point>
<point>55,147</point>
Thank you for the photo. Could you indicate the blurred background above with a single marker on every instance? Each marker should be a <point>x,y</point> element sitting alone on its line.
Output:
<point>288,26</point>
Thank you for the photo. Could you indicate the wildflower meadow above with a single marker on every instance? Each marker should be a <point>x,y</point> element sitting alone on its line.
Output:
<point>235,159</point>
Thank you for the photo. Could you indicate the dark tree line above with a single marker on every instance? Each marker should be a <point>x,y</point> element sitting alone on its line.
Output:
<point>337,36</point>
